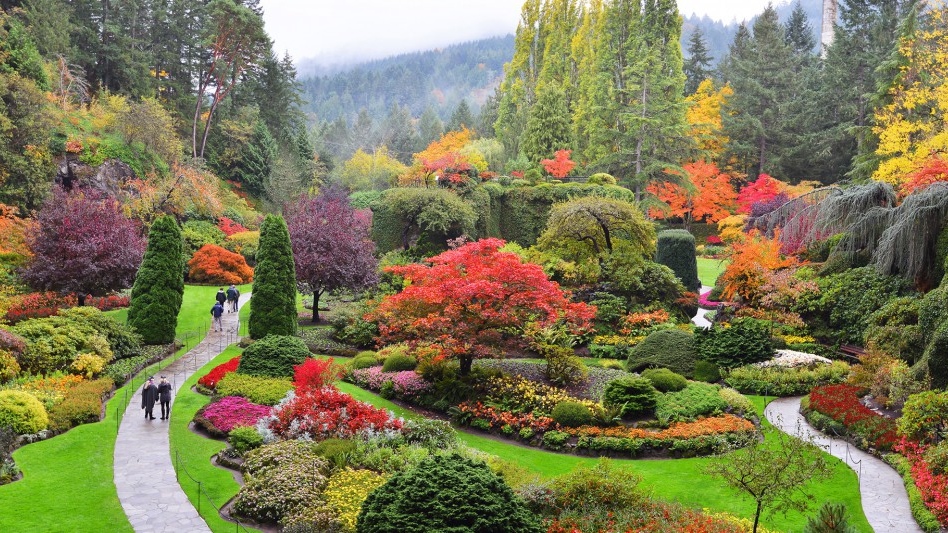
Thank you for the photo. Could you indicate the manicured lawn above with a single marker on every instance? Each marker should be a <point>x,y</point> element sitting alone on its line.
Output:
<point>710,269</point>
<point>194,461</point>
<point>67,480</point>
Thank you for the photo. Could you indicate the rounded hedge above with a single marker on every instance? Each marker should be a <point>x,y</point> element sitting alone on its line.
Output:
<point>671,348</point>
<point>363,361</point>
<point>22,412</point>
<point>446,493</point>
<point>707,371</point>
<point>571,414</point>
<point>273,356</point>
<point>634,395</point>
<point>245,438</point>
<point>665,380</point>
<point>676,250</point>
<point>398,363</point>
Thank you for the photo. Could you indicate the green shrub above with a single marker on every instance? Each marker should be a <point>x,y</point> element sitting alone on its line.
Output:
<point>399,362</point>
<point>746,341</point>
<point>446,493</point>
<point>563,368</point>
<point>82,404</point>
<point>737,402</point>
<point>601,178</point>
<point>781,381</point>
<point>600,485</point>
<point>336,452</point>
<point>665,380</point>
<point>350,326</point>
<point>671,348</point>
<point>363,361</point>
<point>159,284</point>
<point>634,395</point>
<point>831,518</point>
<point>22,412</point>
<point>281,479</point>
<point>274,356</point>
<point>120,371</point>
<point>123,340</point>
<point>258,389</point>
<point>707,371</point>
<point>197,233</point>
<point>676,250</point>
<point>935,358</point>
<point>925,416</point>
<point>937,458</point>
<point>612,364</point>
<point>571,414</point>
<point>273,306</point>
<point>895,331</point>
<point>697,399</point>
<point>245,438</point>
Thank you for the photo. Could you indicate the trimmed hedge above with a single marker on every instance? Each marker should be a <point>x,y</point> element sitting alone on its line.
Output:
<point>746,341</point>
<point>257,389</point>
<point>159,284</point>
<point>697,399</point>
<point>82,404</point>
<point>665,380</point>
<point>671,348</point>
<point>676,250</point>
<point>571,414</point>
<point>273,306</point>
<point>632,394</point>
<point>273,356</point>
<point>22,412</point>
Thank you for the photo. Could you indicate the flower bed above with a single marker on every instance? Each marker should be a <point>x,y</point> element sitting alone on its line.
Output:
<point>591,388</point>
<point>211,378</point>
<point>220,417</point>
<point>328,413</point>
<point>521,395</point>
<point>45,304</point>
<point>406,384</point>
<point>840,403</point>
<point>794,359</point>
<point>778,380</point>
<point>933,487</point>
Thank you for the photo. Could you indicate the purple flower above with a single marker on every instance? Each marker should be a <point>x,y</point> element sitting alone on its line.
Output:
<point>232,411</point>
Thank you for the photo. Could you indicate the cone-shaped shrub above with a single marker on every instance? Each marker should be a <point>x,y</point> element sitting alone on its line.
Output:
<point>676,250</point>
<point>159,284</point>
<point>273,306</point>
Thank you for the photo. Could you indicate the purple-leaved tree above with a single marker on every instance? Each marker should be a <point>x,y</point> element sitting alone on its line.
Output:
<point>331,245</point>
<point>83,244</point>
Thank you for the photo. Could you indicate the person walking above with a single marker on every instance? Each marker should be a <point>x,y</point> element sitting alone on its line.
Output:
<point>232,295</point>
<point>164,398</point>
<point>149,397</point>
<point>221,296</point>
<point>216,313</point>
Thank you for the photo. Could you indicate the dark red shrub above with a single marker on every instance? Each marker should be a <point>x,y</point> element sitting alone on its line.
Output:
<point>218,372</point>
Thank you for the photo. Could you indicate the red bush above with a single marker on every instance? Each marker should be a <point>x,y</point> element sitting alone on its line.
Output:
<point>933,487</point>
<point>215,265</point>
<point>315,374</point>
<point>328,413</point>
<point>841,403</point>
<point>714,240</point>
<point>218,372</point>
<point>44,304</point>
<point>229,227</point>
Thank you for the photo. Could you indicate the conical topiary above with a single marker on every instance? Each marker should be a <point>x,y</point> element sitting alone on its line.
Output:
<point>273,306</point>
<point>159,284</point>
<point>676,250</point>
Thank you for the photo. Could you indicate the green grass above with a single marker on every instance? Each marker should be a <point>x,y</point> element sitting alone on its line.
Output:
<point>217,484</point>
<point>670,480</point>
<point>68,479</point>
<point>710,269</point>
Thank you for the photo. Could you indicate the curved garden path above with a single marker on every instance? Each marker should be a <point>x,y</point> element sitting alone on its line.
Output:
<point>699,319</point>
<point>884,500</point>
<point>144,475</point>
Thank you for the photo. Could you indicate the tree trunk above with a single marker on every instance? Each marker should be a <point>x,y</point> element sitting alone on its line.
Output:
<point>315,307</point>
<point>757,516</point>
<point>466,362</point>
<point>82,298</point>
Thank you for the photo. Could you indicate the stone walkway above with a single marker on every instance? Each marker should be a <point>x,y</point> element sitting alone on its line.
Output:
<point>884,500</point>
<point>144,475</point>
<point>699,319</point>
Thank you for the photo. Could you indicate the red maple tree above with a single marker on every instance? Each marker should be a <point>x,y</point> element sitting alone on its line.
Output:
<point>561,165</point>
<point>473,300</point>
<point>711,196</point>
<point>933,170</point>
<point>764,189</point>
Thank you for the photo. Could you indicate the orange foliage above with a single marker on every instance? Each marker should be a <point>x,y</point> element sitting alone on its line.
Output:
<point>213,264</point>
<point>745,275</point>
<point>441,155</point>
<point>934,169</point>
<point>13,231</point>
<point>710,196</point>
<point>561,165</point>
<point>714,425</point>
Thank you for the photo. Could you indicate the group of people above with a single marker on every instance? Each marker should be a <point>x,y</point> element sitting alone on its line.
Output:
<point>230,298</point>
<point>160,393</point>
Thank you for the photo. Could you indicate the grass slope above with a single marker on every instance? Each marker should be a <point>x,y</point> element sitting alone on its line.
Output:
<point>68,479</point>
<point>710,269</point>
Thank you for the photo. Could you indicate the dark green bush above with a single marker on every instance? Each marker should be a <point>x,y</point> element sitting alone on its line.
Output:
<point>273,306</point>
<point>320,341</point>
<point>671,348</point>
<point>22,412</point>
<point>563,368</point>
<point>895,331</point>
<point>707,371</point>
<point>363,361</point>
<point>633,395</point>
<point>258,389</point>
<point>676,250</point>
<point>697,399</point>
<point>399,362</point>
<point>123,340</point>
<point>273,356</point>
<point>746,341</point>
<point>830,519</point>
<point>350,327</point>
<point>244,438</point>
<point>665,380</point>
<point>159,284</point>
<point>571,414</point>
<point>446,493</point>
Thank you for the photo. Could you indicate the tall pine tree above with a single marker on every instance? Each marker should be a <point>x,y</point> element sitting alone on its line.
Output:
<point>548,127</point>
<point>273,306</point>
<point>159,284</point>
<point>698,65</point>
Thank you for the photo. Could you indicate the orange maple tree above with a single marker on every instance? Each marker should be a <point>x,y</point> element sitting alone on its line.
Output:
<point>710,196</point>
<point>751,259</point>
<point>213,264</point>
<point>13,231</point>
<point>443,158</point>
<point>561,165</point>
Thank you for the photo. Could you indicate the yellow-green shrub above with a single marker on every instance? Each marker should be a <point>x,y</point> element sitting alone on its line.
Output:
<point>346,491</point>
<point>257,389</point>
<point>22,412</point>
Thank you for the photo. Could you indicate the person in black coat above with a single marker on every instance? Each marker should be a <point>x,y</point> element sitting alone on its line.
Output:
<point>149,397</point>
<point>164,397</point>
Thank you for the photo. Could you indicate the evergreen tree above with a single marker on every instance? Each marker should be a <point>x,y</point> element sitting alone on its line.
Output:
<point>461,118</point>
<point>399,135</point>
<point>799,32</point>
<point>273,306</point>
<point>430,128</point>
<point>159,284</point>
<point>549,127</point>
<point>518,88</point>
<point>257,159</point>
<point>801,117</point>
<point>698,65</point>
<point>488,116</point>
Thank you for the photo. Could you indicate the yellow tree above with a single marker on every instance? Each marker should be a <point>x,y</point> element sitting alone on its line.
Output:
<point>704,118</point>
<point>450,157</point>
<point>377,171</point>
<point>914,125</point>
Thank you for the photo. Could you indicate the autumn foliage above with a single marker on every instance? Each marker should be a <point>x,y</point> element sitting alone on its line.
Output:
<point>13,230</point>
<point>473,300</point>
<point>446,159</point>
<point>709,197</point>
<point>751,261</point>
<point>934,169</point>
<point>215,265</point>
<point>229,227</point>
<point>764,189</point>
<point>561,165</point>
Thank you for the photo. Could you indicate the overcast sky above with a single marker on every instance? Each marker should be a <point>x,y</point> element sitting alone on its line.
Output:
<point>334,31</point>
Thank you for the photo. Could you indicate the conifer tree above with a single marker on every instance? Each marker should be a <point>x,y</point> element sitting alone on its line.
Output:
<point>273,306</point>
<point>461,118</point>
<point>257,159</point>
<point>698,65</point>
<point>549,127</point>
<point>430,128</point>
<point>520,77</point>
<point>159,284</point>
